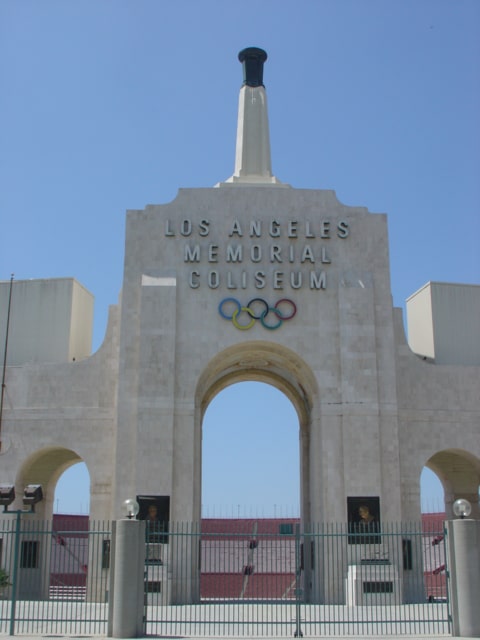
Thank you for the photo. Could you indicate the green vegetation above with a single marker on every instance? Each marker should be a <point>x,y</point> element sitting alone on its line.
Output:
<point>4,578</point>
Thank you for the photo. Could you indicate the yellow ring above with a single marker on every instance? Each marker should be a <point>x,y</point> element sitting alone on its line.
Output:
<point>242,327</point>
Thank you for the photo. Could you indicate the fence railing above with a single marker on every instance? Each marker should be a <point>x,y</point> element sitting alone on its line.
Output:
<point>267,577</point>
<point>56,579</point>
<point>229,577</point>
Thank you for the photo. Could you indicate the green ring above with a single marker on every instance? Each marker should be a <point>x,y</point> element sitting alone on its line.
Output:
<point>267,326</point>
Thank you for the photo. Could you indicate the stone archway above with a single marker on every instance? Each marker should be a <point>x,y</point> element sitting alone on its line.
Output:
<point>261,362</point>
<point>459,473</point>
<point>45,467</point>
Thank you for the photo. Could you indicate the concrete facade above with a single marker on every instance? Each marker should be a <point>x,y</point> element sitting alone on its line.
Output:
<point>321,328</point>
<point>443,323</point>
<point>51,321</point>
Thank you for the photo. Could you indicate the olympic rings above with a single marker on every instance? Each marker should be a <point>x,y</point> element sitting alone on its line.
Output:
<point>280,310</point>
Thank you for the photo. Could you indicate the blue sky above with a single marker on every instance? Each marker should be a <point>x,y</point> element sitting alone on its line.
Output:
<point>108,105</point>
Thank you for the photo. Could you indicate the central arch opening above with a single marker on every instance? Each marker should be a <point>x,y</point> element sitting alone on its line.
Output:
<point>290,382</point>
<point>250,454</point>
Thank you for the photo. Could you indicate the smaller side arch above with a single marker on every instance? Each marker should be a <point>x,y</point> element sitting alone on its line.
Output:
<point>459,472</point>
<point>45,467</point>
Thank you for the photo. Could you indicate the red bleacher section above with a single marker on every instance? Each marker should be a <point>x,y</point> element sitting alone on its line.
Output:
<point>240,558</point>
<point>69,557</point>
<point>248,559</point>
<point>434,556</point>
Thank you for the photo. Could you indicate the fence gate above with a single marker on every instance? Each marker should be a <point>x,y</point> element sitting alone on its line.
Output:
<point>229,578</point>
<point>270,578</point>
<point>55,575</point>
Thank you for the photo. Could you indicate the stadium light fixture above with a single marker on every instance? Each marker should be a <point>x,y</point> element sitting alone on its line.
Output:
<point>7,495</point>
<point>32,495</point>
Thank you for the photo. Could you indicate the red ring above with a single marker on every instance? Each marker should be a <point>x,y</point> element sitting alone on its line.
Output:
<point>280,314</point>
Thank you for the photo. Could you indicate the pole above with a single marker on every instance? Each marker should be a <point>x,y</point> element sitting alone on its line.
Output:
<point>463,539</point>
<point>126,607</point>
<point>2,393</point>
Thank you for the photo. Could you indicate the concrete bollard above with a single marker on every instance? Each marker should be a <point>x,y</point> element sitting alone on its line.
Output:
<point>463,538</point>
<point>127,591</point>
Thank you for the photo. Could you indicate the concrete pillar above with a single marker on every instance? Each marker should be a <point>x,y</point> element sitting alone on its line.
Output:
<point>463,538</point>
<point>127,590</point>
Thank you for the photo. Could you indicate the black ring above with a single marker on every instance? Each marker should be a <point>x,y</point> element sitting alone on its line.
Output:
<point>262,313</point>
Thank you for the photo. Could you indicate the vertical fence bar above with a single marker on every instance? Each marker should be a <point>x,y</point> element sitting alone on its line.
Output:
<point>298,592</point>
<point>447,578</point>
<point>15,573</point>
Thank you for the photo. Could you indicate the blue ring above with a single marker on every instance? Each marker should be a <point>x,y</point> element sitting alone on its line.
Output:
<point>234,300</point>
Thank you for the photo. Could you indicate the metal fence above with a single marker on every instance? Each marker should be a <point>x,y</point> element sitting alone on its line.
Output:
<point>265,577</point>
<point>229,578</point>
<point>55,575</point>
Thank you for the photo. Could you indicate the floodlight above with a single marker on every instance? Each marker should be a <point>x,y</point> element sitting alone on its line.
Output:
<point>7,494</point>
<point>33,493</point>
<point>462,508</point>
